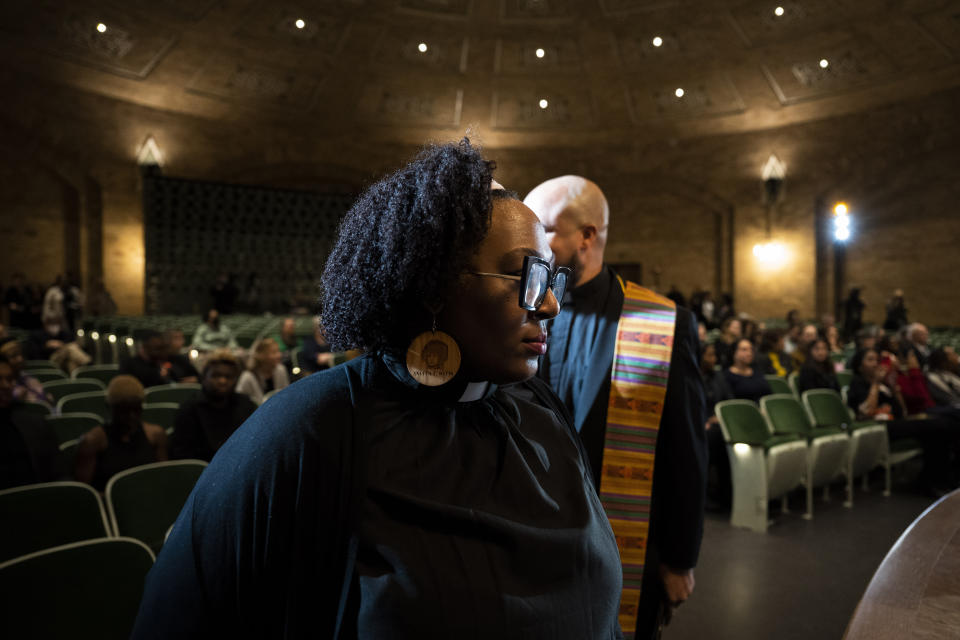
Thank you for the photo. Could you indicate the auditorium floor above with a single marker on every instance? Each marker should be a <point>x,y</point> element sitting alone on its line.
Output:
<point>799,581</point>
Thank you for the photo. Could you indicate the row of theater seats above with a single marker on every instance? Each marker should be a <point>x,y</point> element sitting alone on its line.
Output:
<point>70,567</point>
<point>787,442</point>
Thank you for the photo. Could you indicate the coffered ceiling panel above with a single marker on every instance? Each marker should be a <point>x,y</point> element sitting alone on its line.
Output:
<point>273,29</point>
<point>536,11</point>
<point>706,96</point>
<point>559,54</point>
<point>394,103</point>
<point>944,25</point>
<point>436,8</point>
<point>244,82</point>
<point>518,106</point>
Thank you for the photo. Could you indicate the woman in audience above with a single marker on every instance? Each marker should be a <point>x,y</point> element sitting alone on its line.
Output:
<point>730,333</point>
<point>772,359</point>
<point>746,381</point>
<point>212,334</point>
<point>406,498</point>
<point>832,335</point>
<point>204,423</point>
<point>874,395</point>
<point>125,441</point>
<point>316,355</point>
<point>266,372</point>
<point>28,446</point>
<point>716,390</point>
<point>943,377</point>
<point>26,388</point>
<point>817,370</point>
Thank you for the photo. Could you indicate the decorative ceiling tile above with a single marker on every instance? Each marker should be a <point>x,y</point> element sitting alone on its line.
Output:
<point>178,10</point>
<point>535,11</point>
<point>271,30</point>
<point>680,37</point>
<point>445,52</point>
<point>617,7</point>
<point>852,63</point>
<point>944,26</point>
<point>437,8</point>
<point>518,107</point>
<point>702,97</point>
<point>560,54</point>
<point>127,46</point>
<point>397,104</point>
<point>758,23</point>
<point>257,84</point>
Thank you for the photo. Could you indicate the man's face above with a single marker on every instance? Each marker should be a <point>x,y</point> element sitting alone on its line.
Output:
<point>565,239</point>
<point>175,341</point>
<point>809,334</point>
<point>921,335</point>
<point>220,379</point>
<point>288,327</point>
<point>155,349</point>
<point>7,380</point>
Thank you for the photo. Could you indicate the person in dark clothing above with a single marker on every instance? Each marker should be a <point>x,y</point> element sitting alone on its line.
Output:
<point>943,377</point>
<point>817,370</point>
<point>716,390</point>
<point>852,314</point>
<point>896,313</point>
<point>730,332</point>
<point>363,502</point>
<point>125,441</point>
<point>745,381</point>
<point>315,354</point>
<point>28,446</point>
<point>677,296</point>
<point>181,369</point>
<point>583,349</point>
<point>18,299</point>
<point>874,395</point>
<point>204,423</point>
<point>153,364</point>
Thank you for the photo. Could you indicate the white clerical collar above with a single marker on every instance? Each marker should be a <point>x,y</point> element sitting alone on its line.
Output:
<point>474,391</point>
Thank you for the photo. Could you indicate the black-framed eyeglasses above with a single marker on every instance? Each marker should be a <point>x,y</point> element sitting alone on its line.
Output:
<point>536,278</point>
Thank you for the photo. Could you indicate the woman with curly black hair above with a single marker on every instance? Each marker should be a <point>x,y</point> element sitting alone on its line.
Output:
<point>430,488</point>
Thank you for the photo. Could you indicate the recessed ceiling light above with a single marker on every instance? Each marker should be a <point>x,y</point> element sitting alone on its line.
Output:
<point>824,63</point>
<point>300,23</point>
<point>540,53</point>
<point>678,92</point>
<point>101,27</point>
<point>422,47</point>
<point>778,11</point>
<point>657,41</point>
<point>543,103</point>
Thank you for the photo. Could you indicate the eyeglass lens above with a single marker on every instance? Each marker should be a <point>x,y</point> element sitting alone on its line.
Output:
<point>537,281</point>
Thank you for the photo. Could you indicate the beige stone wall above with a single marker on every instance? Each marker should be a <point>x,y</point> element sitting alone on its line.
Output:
<point>896,166</point>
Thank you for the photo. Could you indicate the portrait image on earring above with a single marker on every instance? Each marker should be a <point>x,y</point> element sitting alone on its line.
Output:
<point>433,358</point>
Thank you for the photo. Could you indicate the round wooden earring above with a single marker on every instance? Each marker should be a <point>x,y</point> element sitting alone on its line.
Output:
<point>433,358</point>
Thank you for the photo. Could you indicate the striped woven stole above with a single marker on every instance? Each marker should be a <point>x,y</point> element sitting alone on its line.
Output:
<point>641,365</point>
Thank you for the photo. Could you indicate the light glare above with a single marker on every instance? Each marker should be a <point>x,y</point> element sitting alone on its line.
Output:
<point>741,448</point>
<point>79,333</point>
<point>95,335</point>
<point>543,103</point>
<point>300,24</point>
<point>541,53</point>
<point>194,354</point>
<point>842,234</point>
<point>129,342</point>
<point>678,92</point>
<point>112,338</point>
<point>771,254</point>
<point>840,209</point>
<point>101,27</point>
<point>422,47</point>
<point>657,41</point>
<point>778,11</point>
<point>824,63</point>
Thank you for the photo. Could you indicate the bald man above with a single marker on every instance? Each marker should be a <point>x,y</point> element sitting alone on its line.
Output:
<point>584,344</point>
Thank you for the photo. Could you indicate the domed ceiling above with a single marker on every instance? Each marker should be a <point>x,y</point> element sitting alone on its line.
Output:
<point>520,72</point>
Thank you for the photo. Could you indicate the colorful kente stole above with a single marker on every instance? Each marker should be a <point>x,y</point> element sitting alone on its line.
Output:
<point>641,365</point>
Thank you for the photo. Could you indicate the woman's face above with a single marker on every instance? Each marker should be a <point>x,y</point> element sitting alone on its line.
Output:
<point>743,356</point>
<point>500,341</point>
<point>833,334</point>
<point>709,358</point>
<point>734,329</point>
<point>819,351</point>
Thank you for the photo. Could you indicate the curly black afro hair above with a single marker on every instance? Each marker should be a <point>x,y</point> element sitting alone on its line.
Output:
<point>402,246</point>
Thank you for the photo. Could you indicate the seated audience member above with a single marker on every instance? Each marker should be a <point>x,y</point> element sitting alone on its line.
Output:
<point>266,372</point>
<point>772,360</point>
<point>745,381</point>
<point>702,333</point>
<point>808,334</point>
<point>315,354</point>
<point>730,333</point>
<point>55,343</point>
<point>874,395</point>
<point>832,335</point>
<point>716,390</point>
<point>750,330</point>
<point>152,365</point>
<point>26,388</point>
<point>125,441</point>
<point>791,339</point>
<point>943,377</point>
<point>817,370</point>
<point>212,334</point>
<point>288,341</point>
<point>28,446</point>
<point>865,339</point>
<point>917,341</point>
<point>205,422</point>
<point>181,368</point>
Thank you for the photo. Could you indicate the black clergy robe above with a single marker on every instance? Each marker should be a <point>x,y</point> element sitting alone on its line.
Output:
<point>578,366</point>
<point>358,504</point>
